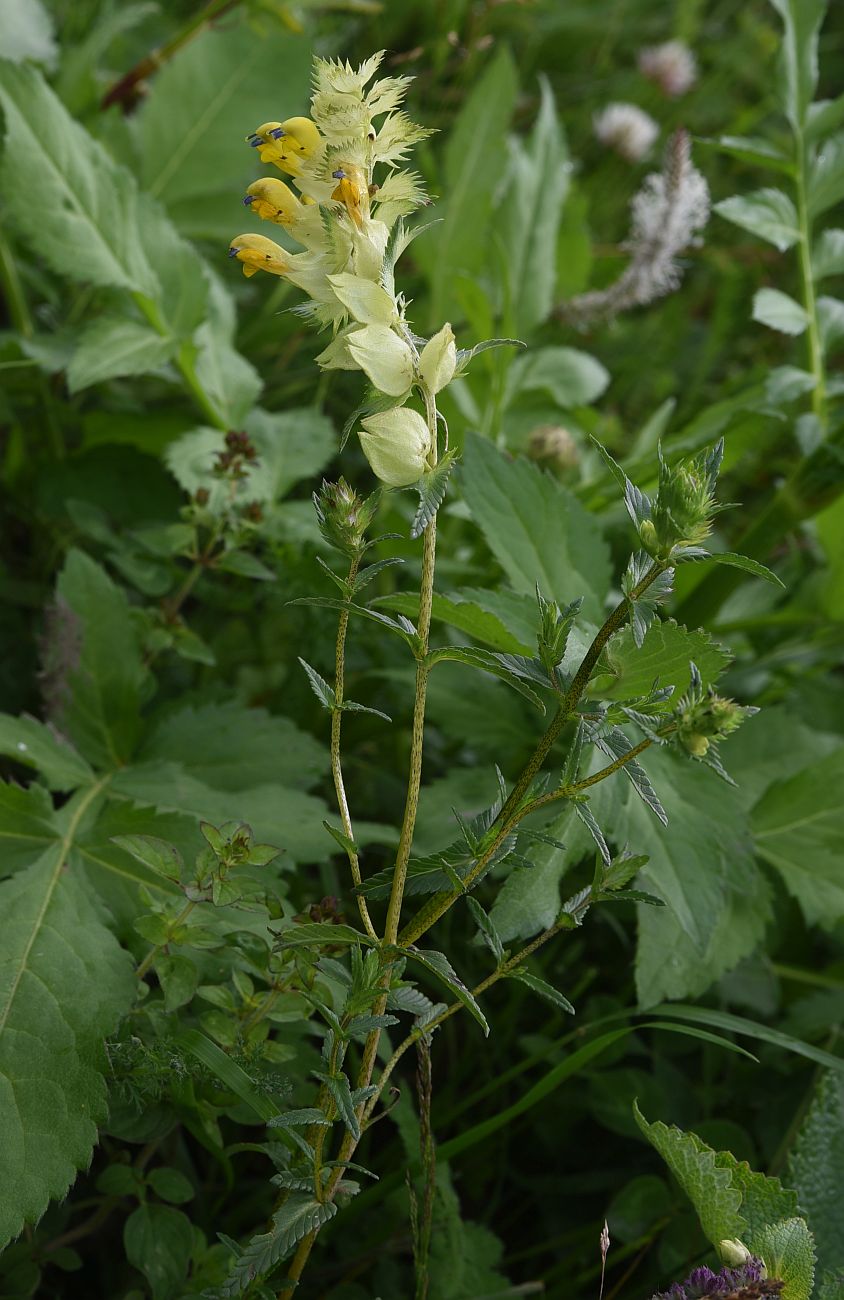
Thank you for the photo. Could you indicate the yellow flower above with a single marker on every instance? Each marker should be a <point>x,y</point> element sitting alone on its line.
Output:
<point>352,190</point>
<point>257,253</point>
<point>286,144</point>
<point>272,200</point>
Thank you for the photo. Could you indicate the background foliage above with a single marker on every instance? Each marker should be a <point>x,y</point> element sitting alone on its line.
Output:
<point>154,632</point>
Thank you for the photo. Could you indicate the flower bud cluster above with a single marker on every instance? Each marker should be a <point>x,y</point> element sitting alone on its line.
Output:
<point>343,516</point>
<point>685,505</point>
<point>702,718</point>
<point>344,161</point>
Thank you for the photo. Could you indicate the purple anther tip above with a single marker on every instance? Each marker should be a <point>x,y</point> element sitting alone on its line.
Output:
<point>278,133</point>
<point>249,198</point>
<point>232,252</point>
<point>339,175</point>
<point>256,142</point>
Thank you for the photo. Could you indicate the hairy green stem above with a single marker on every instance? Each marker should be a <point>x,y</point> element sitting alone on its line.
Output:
<point>336,764</point>
<point>370,1050</point>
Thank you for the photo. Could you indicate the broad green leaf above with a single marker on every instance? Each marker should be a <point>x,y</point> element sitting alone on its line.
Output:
<point>159,1242</point>
<point>535,528</point>
<point>112,346</point>
<point>438,965</point>
<point>201,104</point>
<point>471,171</point>
<point>289,819</point>
<point>826,176</point>
<point>88,227</point>
<point>799,55</point>
<point>27,825</point>
<point>299,1215</point>
<point>824,116</point>
<point>310,934</point>
<point>62,971</point>
<point>293,445</point>
<point>464,614</point>
<point>830,322</point>
<point>708,1186</point>
<point>33,744</point>
<point>231,747</point>
<point>789,1253</point>
<point>26,32</point>
<point>828,254</point>
<point>93,663</point>
<point>529,899</point>
<point>171,1185</point>
<point>626,672</point>
<point>753,149</point>
<point>231,384</point>
<point>764,1200</point>
<point>798,826</point>
<point>768,213</point>
<point>489,661</point>
<point>816,1170</point>
<point>530,212</point>
<point>568,376</point>
<point>700,865</point>
<point>778,311</point>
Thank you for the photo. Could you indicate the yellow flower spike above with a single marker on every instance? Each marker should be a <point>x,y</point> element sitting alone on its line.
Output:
<point>257,253</point>
<point>352,191</point>
<point>272,200</point>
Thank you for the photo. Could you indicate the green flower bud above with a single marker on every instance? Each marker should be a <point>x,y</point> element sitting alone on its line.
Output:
<point>396,444</point>
<point>702,718</point>
<point>344,516</point>
<point>438,360</point>
<point>685,503</point>
<point>734,1253</point>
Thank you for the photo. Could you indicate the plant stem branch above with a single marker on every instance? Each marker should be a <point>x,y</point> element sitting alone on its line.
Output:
<point>513,809</point>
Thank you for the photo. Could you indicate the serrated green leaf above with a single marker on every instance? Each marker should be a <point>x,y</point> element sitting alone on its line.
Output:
<point>299,1215</point>
<point>487,928</point>
<point>437,964</point>
<point>312,933</point>
<point>664,656</point>
<point>432,489</point>
<point>319,686</point>
<point>544,989</point>
<point>95,657</point>
<point>826,176</point>
<point>62,971</point>
<point>798,825</point>
<point>158,1242</point>
<point>744,562</point>
<point>816,1170</point>
<point>341,1091</point>
<point>489,661</point>
<point>33,744</point>
<point>788,1251</point>
<point>535,528</point>
<point>113,346</point>
<point>89,226</point>
<point>695,1166</point>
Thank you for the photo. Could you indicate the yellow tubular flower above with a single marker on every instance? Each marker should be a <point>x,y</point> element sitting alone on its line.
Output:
<point>257,253</point>
<point>272,200</point>
<point>352,190</point>
<point>285,144</point>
